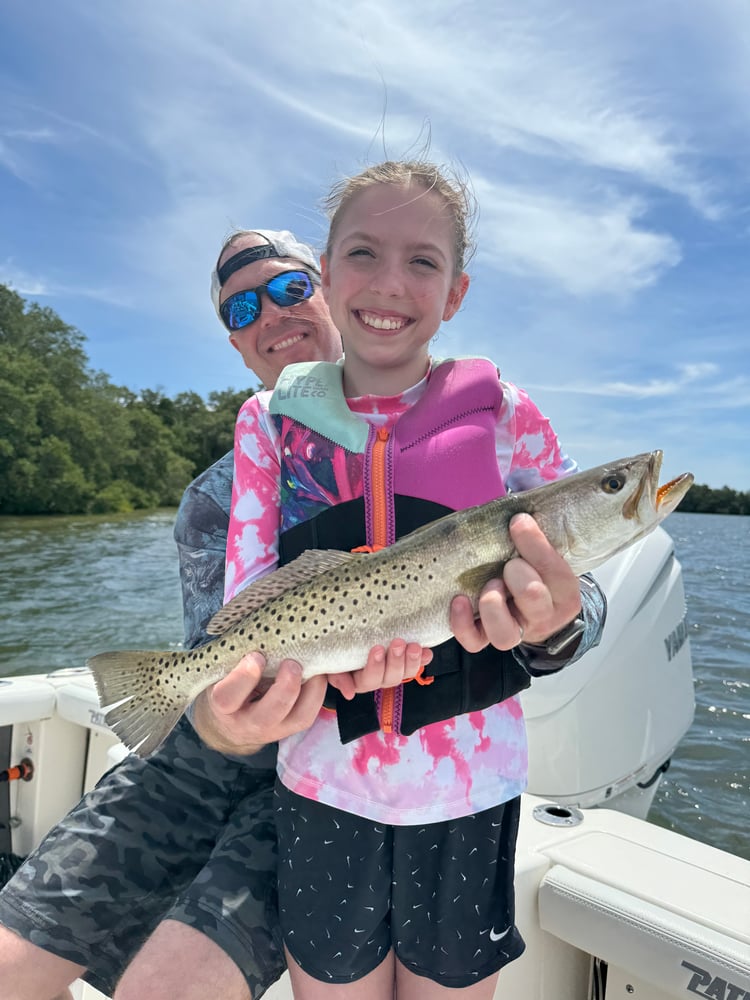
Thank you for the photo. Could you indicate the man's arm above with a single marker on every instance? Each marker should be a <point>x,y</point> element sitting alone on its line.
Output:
<point>200,532</point>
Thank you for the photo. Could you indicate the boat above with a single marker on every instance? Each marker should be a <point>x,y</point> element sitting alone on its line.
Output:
<point>612,907</point>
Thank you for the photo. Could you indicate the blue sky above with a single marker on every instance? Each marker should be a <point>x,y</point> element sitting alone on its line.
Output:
<point>608,146</point>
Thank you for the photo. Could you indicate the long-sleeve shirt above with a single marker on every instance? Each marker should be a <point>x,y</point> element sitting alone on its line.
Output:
<point>444,770</point>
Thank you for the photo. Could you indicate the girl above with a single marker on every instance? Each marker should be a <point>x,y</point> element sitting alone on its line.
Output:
<point>397,814</point>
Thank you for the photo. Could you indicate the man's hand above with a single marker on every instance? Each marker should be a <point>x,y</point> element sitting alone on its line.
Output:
<point>537,596</point>
<point>230,720</point>
<point>384,668</point>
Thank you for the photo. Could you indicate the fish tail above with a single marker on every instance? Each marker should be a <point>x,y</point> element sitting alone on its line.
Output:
<point>138,691</point>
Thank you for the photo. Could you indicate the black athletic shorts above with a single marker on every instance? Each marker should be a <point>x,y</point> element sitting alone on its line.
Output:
<point>441,894</point>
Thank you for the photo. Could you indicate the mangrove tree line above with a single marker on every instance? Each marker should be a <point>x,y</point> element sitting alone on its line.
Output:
<point>71,442</point>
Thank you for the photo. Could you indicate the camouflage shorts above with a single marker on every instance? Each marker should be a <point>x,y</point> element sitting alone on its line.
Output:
<point>187,834</point>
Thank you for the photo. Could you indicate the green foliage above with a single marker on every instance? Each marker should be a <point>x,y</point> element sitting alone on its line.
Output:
<point>702,499</point>
<point>71,442</point>
<point>118,497</point>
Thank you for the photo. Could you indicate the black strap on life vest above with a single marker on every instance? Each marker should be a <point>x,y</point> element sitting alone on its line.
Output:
<point>464,682</point>
<point>343,527</point>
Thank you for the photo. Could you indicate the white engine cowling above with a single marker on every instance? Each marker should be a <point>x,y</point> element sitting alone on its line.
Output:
<point>602,729</point>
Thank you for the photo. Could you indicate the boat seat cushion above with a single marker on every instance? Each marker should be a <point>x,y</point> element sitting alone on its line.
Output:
<point>661,946</point>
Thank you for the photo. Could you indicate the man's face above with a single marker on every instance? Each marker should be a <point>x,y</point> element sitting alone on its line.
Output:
<point>281,335</point>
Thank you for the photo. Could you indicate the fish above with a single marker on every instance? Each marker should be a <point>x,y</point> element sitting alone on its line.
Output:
<point>327,609</point>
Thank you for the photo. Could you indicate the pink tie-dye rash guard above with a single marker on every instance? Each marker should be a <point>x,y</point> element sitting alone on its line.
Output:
<point>444,770</point>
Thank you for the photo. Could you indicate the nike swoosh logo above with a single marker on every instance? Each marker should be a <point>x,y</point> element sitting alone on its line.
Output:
<point>498,937</point>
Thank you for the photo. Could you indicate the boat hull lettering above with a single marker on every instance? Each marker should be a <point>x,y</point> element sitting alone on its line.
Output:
<point>703,984</point>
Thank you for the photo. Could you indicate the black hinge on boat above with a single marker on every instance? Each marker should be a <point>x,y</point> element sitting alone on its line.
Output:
<point>6,733</point>
<point>598,979</point>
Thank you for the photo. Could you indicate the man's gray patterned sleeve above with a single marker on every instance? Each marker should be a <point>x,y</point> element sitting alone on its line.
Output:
<point>200,532</point>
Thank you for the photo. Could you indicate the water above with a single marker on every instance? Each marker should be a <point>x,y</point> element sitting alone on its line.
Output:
<point>73,586</point>
<point>706,792</point>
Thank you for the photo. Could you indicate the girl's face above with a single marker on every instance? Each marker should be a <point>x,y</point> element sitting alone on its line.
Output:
<point>389,283</point>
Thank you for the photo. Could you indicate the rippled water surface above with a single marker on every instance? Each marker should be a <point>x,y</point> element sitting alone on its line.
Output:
<point>73,586</point>
<point>706,792</point>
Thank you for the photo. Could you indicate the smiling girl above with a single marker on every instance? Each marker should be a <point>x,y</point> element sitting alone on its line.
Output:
<point>397,812</point>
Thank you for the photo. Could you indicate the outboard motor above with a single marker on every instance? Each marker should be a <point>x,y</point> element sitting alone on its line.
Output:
<point>602,732</point>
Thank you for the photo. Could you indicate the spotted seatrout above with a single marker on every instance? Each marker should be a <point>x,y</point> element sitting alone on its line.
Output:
<point>328,609</point>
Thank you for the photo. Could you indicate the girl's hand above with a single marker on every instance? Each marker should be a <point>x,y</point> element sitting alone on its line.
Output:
<point>537,596</point>
<point>384,668</point>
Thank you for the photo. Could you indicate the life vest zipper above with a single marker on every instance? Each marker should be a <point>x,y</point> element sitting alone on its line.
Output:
<point>378,489</point>
<point>379,495</point>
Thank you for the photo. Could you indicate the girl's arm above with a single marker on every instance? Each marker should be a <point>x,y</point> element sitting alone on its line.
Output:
<point>528,450</point>
<point>253,537</point>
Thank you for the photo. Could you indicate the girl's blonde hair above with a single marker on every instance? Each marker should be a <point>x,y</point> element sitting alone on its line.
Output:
<point>454,191</point>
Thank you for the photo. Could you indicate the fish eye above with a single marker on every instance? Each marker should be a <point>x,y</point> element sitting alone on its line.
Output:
<point>613,483</point>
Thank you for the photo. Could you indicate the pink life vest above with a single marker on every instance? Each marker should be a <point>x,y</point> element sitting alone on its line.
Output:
<point>440,457</point>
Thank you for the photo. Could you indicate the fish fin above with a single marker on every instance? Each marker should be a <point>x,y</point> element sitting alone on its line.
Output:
<point>142,705</point>
<point>304,568</point>
<point>472,581</point>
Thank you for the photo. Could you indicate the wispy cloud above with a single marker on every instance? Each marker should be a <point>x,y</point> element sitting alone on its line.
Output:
<point>39,287</point>
<point>22,282</point>
<point>717,391</point>
<point>557,86</point>
<point>31,134</point>
<point>9,160</point>
<point>587,248</point>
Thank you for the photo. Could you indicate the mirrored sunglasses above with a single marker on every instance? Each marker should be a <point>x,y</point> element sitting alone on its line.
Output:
<point>288,288</point>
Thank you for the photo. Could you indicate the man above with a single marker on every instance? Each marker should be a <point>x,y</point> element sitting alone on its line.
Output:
<point>161,882</point>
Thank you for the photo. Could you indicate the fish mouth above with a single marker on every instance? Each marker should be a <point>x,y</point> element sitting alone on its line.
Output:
<point>666,497</point>
<point>671,493</point>
<point>663,499</point>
